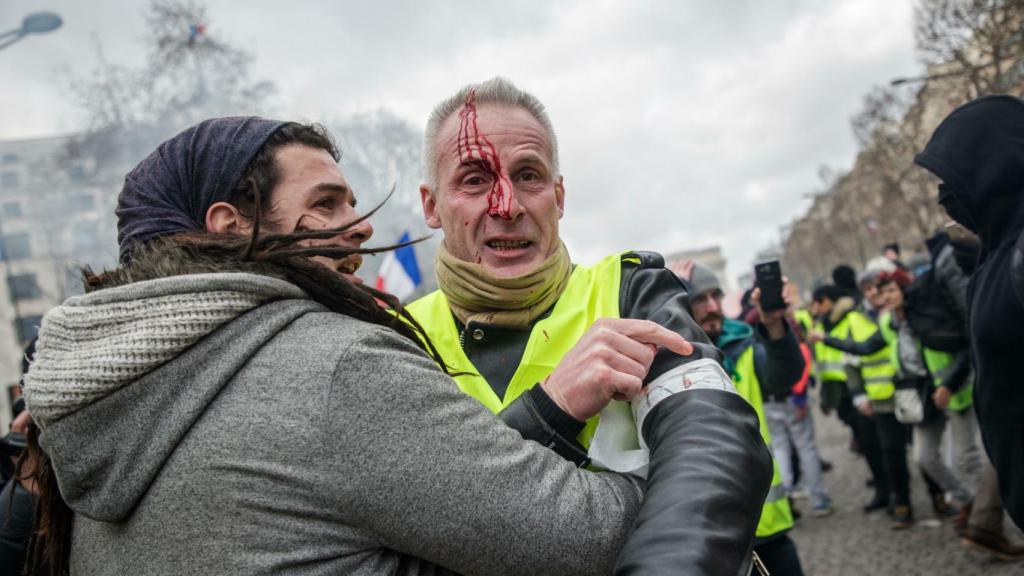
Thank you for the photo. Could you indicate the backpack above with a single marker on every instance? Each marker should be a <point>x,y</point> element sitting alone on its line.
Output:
<point>931,314</point>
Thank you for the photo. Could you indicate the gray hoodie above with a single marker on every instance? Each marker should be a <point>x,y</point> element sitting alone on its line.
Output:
<point>226,424</point>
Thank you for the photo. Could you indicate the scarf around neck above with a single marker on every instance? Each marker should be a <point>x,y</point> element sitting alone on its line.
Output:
<point>476,295</point>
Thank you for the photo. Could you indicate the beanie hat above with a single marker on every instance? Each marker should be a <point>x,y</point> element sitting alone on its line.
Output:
<point>702,280</point>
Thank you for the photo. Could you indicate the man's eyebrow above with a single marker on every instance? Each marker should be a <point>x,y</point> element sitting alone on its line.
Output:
<point>332,187</point>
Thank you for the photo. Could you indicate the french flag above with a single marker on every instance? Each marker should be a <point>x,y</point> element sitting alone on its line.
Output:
<point>399,274</point>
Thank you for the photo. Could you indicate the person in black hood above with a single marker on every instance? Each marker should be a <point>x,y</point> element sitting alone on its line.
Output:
<point>978,153</point>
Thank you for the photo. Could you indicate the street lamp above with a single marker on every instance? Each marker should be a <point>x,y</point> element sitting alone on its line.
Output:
<point>36,23</point>
<point>899,81</point>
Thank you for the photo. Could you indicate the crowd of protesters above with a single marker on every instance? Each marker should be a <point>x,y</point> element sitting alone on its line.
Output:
<point>233,399</point>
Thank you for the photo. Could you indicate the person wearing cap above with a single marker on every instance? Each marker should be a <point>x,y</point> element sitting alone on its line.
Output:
<point>764,362</point>
<point>841,379</point>
<point>232,400</point>
<point>978,154</point>
<point>867,282</point>
<point>535,337</point>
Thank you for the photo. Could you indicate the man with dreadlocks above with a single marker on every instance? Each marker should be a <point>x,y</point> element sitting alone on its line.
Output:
<point>550,344</point>
<point>231,400</point>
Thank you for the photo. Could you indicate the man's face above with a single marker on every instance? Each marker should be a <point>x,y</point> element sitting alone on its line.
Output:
<point>313,195</point>
<point>498,198</point>
<point>821,308</point>
<point>707,311</point>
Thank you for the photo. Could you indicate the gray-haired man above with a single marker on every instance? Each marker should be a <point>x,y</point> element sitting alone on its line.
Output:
<point>549,344</point>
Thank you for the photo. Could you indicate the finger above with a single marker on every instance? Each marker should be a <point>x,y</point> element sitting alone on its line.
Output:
<point>755,297</point>
<point>651,333</point>
<point>639,352</point>
<point>20,423</point>
<point>627,387</point>
<point>623,364</point>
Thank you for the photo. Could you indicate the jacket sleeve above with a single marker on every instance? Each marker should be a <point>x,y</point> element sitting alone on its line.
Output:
<point>863,348</point>
<point>953,280</point>
<point>705,494</point>
<point>433,474</point>
<point>649,291</point>
<point>784,362</point>
<point>960,369</point>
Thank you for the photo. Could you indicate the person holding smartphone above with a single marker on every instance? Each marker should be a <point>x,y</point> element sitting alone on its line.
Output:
<point>764,362</point>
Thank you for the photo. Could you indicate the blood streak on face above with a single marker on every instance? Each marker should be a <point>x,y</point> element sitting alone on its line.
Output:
<point>475,147</point>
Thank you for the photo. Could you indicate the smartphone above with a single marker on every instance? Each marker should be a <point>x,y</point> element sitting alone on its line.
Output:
<point>768,277</point>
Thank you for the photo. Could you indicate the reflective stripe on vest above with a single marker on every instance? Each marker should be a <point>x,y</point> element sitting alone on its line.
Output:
<point>776,515</point>
<point>591,293</point>
<point>940,365</point>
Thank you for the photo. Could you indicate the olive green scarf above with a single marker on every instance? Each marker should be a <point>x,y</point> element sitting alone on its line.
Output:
<point>476,295</point>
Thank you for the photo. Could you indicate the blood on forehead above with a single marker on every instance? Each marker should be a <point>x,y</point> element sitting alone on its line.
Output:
<point>475,147</point>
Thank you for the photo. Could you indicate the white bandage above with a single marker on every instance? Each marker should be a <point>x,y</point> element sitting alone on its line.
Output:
<point>618,444</point>
<point>703,374</point>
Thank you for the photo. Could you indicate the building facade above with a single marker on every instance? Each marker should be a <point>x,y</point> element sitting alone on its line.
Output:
<point>52,222</point>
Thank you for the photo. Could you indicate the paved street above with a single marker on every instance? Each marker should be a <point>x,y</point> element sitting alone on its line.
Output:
<point>851,543</point>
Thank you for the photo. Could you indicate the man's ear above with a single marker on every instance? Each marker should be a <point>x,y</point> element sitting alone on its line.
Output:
<point>430,211</point>
<point>224,218</point>
<point>560,196</point>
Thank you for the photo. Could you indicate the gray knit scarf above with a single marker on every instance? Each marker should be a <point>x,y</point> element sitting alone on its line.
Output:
<point>93,345</point>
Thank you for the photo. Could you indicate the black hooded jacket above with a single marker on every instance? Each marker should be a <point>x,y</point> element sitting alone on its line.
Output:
<point>978,152</point>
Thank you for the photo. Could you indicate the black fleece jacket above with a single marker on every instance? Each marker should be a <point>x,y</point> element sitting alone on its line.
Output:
<point>978,153</point>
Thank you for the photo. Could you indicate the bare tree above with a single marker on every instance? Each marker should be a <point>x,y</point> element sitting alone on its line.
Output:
<point>977,39</point>
<point>190,73</point>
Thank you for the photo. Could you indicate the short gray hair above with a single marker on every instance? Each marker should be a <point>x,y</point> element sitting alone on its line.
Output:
<point>496,90</point>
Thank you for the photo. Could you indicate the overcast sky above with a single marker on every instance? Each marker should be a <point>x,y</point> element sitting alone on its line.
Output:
<point>681,124</point>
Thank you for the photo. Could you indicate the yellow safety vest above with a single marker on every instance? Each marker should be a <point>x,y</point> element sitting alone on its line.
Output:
<point>803,316</point>
<point>877,369</point>
<point>776,514</point>
<point>939,365</point>
<point>829,362</point>
<point>937,362</point>
<point>591,293</point>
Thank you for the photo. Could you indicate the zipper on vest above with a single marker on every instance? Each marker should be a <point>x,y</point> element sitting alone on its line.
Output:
<point>462,338</point>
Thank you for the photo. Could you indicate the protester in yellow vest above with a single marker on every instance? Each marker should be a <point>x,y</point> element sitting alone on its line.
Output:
<point>871,381</point>
<point>764,362</point>
<point>947,376</point>
<point>548,344</point>
<point>830,306</point>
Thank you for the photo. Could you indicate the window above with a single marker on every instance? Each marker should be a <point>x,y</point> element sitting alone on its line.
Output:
<point>9,179</point>
<point>77,173</point>
<point>16,246</point>
<point>10,158</point>
<point>12,210</point>
<point>80,203</point>
<point>27,327</point>
<point>23,287</point>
